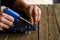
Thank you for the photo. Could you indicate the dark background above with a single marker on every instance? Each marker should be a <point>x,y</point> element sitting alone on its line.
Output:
<point>56,1</point>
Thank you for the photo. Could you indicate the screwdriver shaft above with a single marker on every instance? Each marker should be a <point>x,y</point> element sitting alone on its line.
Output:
<point>25,20</point>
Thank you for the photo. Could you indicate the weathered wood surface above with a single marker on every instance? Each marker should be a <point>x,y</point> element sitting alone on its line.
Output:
<point>44,24</point>
<point>49,26</point>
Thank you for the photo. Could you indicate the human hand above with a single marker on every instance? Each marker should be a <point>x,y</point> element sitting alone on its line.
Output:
<point>5,21</point>
<point>34,14</point>
<point>32,11</point>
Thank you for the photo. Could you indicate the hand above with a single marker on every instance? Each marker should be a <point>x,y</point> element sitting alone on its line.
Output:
<point>33,11</point>
<point>34,14</point>
<point>5,21</point>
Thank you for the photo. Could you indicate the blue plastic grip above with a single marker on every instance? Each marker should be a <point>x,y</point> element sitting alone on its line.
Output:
<point>12,13</point>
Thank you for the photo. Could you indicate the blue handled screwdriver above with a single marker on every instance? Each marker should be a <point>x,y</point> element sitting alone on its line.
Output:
<point>12,13</point>
<point>16,16</point>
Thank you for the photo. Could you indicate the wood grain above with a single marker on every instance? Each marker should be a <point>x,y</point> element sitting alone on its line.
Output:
<point>3,36</point>
<point>44,23</point>
<point>53,28</point>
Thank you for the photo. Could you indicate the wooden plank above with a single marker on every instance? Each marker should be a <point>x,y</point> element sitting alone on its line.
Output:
<point>57,12</point>
<point>12,37</point>
<point>3,36</point>
<point>43,33</point>
<point>53,29</point>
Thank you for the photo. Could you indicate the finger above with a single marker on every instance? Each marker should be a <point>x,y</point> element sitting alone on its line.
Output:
<point>30,14</point>
<point>39,14</point>
<point>7,22</point>
<point>8,17</point>
<point>1,29</point>
<point>31,20</point>
<point>2,25</point>
<point>35,14</point>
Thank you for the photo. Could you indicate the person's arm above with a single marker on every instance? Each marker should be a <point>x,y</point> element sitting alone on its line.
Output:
<point>32,11</point>
<point>20,4</point>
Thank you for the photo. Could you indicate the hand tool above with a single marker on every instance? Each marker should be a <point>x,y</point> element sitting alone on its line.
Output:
<point>20,24</point>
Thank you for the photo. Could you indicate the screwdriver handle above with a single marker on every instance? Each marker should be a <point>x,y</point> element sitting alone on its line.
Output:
<point>12,13</point>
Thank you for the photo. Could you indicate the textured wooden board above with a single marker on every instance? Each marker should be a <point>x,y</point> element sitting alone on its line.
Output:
<point>48,24</point>
<point>57,12</point>
<point>53,28</point>
<point>3,36</point>
<point>43,35</point>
